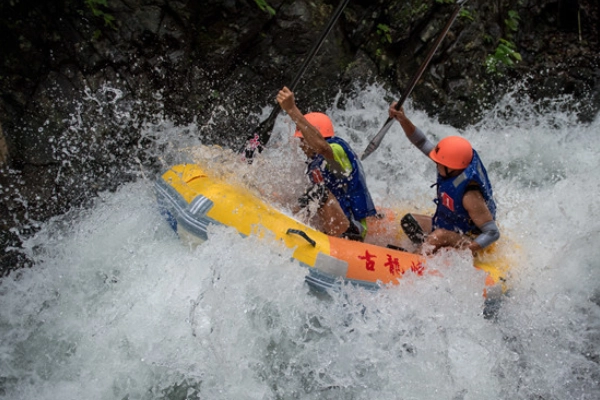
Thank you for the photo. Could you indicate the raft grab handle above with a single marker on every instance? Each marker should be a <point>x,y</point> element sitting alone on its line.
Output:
<point>303,234</point>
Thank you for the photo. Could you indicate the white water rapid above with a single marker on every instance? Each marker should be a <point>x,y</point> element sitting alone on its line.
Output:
<point>117,307</point>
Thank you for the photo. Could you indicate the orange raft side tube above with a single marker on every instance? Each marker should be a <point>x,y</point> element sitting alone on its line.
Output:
<point>371,263</point>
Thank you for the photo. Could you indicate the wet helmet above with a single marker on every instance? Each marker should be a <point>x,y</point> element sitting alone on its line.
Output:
<point>319,121</point>
<point>453,152</point>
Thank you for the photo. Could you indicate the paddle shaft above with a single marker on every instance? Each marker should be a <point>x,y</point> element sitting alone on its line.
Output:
<point>262,134</point>
<point>376,141</point>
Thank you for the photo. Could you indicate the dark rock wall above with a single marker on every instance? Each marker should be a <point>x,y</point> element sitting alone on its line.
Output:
<point>78,82</point>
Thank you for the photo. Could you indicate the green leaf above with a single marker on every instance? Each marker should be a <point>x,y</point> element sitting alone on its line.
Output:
<point>264,6</point>
<point>466,14</point>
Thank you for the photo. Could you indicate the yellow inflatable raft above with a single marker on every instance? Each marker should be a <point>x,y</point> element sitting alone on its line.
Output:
<point>191,200</point>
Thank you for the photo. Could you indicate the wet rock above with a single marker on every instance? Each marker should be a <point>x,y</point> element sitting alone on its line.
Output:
<point>77,88</point>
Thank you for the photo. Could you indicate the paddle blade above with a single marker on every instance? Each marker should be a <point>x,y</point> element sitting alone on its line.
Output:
<point>376,141</point>
<point>252,145</point>
<point>260,137</point>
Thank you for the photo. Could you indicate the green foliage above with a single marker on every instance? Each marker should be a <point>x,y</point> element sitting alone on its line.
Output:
<point>512,22</point>
<point>384,33</point>
<point>264,6</point>
<point>463,13</point>
<point>505,54</point>
<point>444,1</point>
<point>96,7</point>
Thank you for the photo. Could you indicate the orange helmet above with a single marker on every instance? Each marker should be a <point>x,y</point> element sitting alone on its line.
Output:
<point>319,121</point>
<point>453,152</point>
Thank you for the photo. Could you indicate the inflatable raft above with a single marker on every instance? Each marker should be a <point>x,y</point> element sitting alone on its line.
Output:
<point>191,200</point>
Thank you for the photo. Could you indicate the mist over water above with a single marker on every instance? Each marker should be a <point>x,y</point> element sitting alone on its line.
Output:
<point>117,307</point>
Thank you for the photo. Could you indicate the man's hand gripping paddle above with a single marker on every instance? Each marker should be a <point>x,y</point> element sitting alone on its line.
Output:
<point>376,141</point>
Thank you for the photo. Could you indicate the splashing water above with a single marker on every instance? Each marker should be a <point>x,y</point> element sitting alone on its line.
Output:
<point>118,308</point>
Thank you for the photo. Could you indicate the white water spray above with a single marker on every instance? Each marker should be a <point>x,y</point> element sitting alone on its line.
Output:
<point>118,308</point>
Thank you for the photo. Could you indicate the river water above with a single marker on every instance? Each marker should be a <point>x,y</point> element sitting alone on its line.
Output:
<point>117,307</point>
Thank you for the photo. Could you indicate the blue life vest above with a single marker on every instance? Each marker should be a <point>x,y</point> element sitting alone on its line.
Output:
<point>351,190</point>
<point>450,213</point>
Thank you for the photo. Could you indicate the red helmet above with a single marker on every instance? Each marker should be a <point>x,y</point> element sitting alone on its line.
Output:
<point>453,152</point>
<point>319,121</point>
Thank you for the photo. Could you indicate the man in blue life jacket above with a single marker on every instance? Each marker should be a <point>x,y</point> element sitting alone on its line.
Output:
<point>466,212</point>
<point>338,185</point>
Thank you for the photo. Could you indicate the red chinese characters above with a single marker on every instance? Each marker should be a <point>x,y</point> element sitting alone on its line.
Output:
<point>417,268</point>
<point>370,262</point>
<point>393,264</point>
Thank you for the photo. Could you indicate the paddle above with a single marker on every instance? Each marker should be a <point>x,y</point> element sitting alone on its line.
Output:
<point>376,141</point>
<point>262,134</point>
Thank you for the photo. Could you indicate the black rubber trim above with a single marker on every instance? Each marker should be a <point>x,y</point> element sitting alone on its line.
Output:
<point>303,234</point>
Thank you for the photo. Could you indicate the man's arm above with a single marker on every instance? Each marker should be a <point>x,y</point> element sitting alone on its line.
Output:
<point>311,135</point>
<point>481,216</point>
<point>414,134</point>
